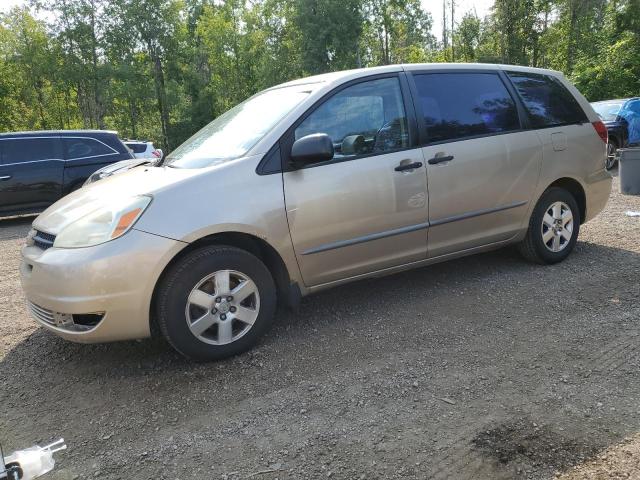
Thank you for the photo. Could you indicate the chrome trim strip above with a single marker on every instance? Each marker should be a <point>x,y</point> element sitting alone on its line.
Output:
<point>411,228</point>
<point>475,213</point>
<point>366,238</point>
<point>41,314</point>
<point>33,161</point>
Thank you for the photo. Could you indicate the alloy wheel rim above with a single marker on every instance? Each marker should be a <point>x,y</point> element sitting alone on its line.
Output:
<point>610,155</point>
<point>557,227</point>
<point>222,307</point>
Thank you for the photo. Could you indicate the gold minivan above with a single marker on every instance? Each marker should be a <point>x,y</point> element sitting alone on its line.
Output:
<point>314,183</point>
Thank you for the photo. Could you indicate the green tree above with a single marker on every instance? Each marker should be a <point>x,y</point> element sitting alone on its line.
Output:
<point>396,31</point>
<point>30,60</point>
<point>78,30</point>
<point>155,28</point>
<point>328,34</point>
<point>467,37</point>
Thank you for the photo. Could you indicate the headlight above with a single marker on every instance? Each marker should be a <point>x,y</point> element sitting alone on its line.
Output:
<point>103,224</point>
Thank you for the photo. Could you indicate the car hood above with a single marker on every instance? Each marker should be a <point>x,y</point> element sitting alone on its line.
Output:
<point>125,165</point>
<point>137,181</point>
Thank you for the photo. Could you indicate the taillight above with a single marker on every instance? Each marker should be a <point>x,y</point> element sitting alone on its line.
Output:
<point>602,130</point>
<point>156,153</point>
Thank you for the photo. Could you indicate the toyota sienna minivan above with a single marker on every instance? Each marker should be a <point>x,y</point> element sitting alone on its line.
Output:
<point>314,183</point>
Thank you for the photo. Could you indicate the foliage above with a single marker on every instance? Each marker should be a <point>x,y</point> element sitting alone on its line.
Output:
<point>162,69</point>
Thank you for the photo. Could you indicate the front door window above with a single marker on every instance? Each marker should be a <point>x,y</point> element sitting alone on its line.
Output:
<point>365,119</point>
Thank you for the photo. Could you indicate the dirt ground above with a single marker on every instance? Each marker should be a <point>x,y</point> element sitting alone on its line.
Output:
<point>484,367</point>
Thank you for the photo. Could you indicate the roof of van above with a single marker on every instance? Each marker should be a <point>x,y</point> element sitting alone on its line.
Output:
<point>32,133</point>
<point>338,76</point>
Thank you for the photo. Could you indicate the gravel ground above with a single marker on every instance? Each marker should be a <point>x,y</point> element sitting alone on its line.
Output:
<point>484,367</point>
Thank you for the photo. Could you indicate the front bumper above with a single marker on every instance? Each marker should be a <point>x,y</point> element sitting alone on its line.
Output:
<point>111,283</point>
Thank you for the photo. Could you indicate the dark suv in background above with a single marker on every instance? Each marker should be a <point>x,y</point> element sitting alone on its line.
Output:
<point>39,168</point>
<point>617,125</point>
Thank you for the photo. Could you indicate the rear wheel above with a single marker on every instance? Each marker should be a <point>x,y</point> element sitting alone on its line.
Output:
<point>215,302</point>
<point>553,228</point>
<point>612,158</point>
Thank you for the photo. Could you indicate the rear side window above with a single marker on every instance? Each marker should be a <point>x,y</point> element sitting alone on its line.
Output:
<point>461,105</point>
<point>547,100</point>
<point>137,147</point>
<point>85,147</point>
<point>26,149</point>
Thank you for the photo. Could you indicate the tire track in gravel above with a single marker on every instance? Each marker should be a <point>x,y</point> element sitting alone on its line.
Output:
<point>459,460</point>
<point>621,350</point>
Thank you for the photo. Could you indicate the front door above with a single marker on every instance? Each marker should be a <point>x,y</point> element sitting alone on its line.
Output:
<point>31,173</point>
<point>367,208</point>
<point>482,166</point>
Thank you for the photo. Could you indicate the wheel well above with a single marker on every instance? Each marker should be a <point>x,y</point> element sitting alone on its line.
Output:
<point>575,189</point>
<point>614,140</point>
<point>252,244</point>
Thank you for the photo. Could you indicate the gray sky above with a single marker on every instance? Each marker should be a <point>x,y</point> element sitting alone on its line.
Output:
<point>433,6</point>
<point>7,4</point>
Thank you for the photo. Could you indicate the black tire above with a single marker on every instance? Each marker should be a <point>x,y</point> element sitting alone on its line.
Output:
<point>184,275</point>
<point>533,247</point>
<point>612,158</point>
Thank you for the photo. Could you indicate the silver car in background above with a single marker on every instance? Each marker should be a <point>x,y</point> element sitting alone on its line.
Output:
<point>144,149</point>
<point>312,184</point>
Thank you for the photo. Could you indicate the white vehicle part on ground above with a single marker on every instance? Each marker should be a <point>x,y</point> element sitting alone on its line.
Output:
<point>32,462</point>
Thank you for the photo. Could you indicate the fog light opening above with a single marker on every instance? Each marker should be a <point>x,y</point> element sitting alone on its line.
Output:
<point>87,319</point>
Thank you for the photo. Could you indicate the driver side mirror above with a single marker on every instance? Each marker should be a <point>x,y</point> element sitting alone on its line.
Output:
<point>313,148</point>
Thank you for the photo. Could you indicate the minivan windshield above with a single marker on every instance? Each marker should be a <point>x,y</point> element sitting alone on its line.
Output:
<point>608,111</point>
<point>233,133</point>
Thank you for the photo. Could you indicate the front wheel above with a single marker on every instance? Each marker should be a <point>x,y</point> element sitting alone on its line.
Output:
<point>215,302</point>
<point>553,228</point>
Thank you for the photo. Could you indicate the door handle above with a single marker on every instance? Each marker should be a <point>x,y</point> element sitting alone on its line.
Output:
<point>435,160</point>
<point>5,177</point>
<point>408,166</point>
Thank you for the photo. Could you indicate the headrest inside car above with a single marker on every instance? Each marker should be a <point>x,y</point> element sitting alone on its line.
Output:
<point>352,144</point>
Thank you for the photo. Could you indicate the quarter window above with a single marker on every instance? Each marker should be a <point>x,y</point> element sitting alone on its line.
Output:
<point>461,105</point>
<point>85,147</point>
<point>365,119</point>
<point>26,149</point>
<point>547,100</point>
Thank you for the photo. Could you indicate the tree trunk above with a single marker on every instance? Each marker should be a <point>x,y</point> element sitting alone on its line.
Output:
<point>133,116</point>
<point>161,95</point>
<point>387,54</point>
<point>40,93</point>
<point>573,18</point>
<point>453,48</point>
<point>98,110</point>
<point>444,26</point>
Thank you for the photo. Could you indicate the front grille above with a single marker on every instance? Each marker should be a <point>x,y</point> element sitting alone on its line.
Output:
<point>43,240</point>
<point>41,314</point>
<point>72,322</point>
